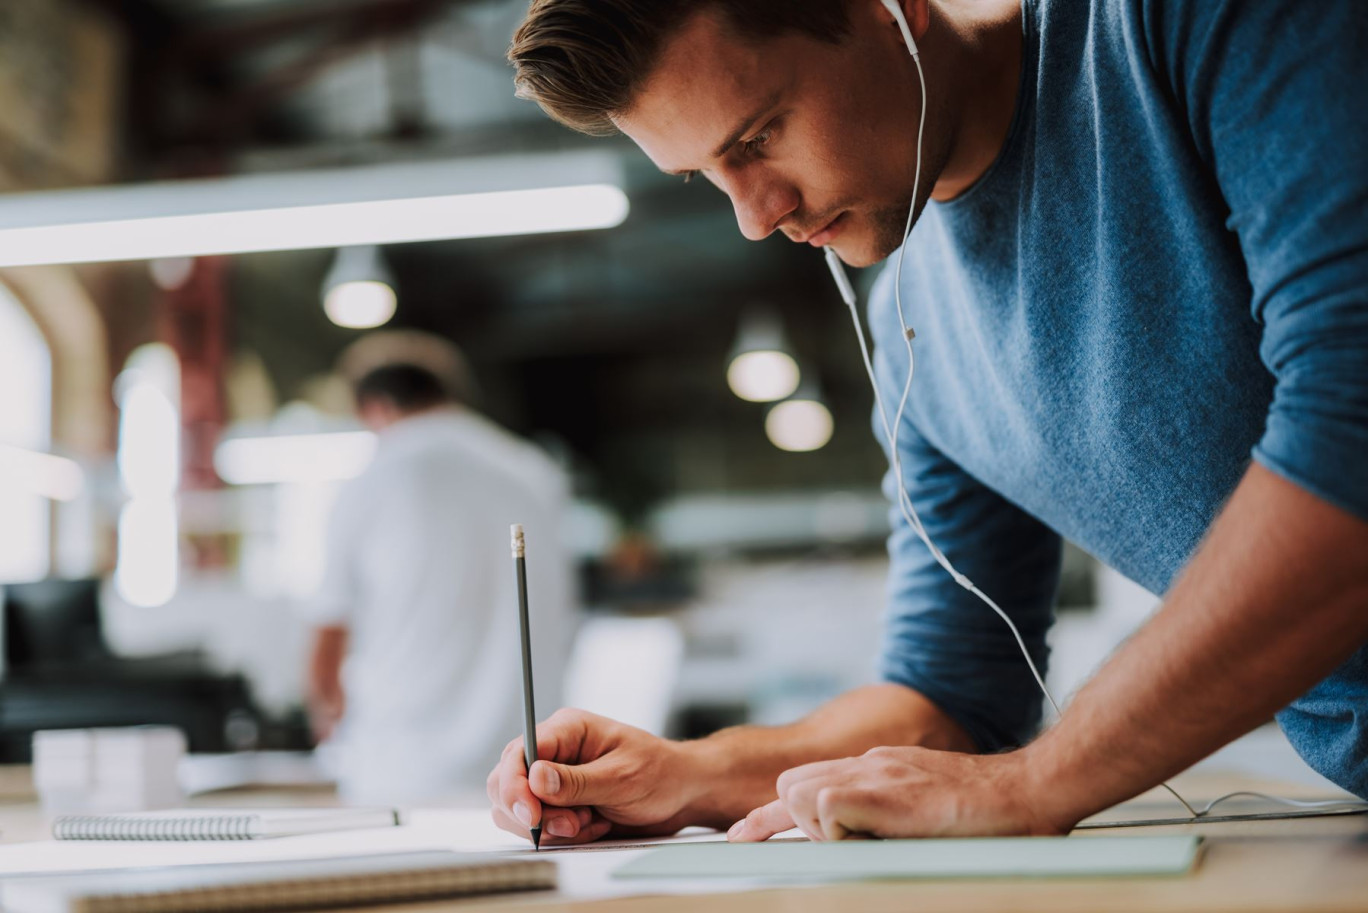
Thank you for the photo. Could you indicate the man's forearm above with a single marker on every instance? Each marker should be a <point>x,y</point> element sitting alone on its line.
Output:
<point>1275,599</point>
<point>736,768</point>
<point>325,676</point>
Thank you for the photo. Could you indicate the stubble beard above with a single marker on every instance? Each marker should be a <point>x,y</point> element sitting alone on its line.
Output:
<point>886,226</point>
<point>889,224</point>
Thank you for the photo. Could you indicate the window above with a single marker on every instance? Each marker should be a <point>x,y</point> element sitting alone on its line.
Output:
<point>25,429</point>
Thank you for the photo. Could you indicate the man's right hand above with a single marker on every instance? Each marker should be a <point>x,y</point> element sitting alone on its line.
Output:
<point>597,777</point>
<point>594,777</point>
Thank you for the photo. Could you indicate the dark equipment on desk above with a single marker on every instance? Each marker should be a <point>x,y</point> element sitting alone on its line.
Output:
<point>57,672</point>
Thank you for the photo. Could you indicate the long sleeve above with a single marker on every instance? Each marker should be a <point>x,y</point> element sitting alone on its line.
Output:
<point>940,639</point>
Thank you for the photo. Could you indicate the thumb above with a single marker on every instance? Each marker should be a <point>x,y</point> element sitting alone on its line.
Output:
<point>762,823</point>
<point>596,783</point>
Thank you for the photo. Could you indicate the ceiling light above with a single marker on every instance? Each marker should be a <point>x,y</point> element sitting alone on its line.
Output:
<point>294,458</point>
<point>428,201</point>
<point>762,377</point>
<point>358,292</point>
<point>360,305</point>
<point>171,273</point>
<point>761,369</point>
<point>800,424</point>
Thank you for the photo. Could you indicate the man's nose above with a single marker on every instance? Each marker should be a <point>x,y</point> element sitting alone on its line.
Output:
<point>761,205</point>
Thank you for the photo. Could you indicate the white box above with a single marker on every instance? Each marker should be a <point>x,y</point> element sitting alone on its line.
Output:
<point>108,770</point>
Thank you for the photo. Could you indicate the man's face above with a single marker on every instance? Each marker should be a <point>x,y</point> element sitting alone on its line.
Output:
<point>813,139</point>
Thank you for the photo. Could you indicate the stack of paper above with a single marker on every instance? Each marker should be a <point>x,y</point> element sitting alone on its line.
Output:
<point>107,770</point>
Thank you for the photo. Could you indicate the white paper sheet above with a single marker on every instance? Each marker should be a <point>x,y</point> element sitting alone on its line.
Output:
<point>584,872</point>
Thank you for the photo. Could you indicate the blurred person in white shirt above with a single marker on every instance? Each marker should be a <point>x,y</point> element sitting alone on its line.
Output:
<point>414,677</point>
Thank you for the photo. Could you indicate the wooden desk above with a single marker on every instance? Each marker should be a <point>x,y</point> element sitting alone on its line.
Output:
<point>1310,865</point>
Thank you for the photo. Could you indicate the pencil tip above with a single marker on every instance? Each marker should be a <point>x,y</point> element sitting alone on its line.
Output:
<point>536,839</point>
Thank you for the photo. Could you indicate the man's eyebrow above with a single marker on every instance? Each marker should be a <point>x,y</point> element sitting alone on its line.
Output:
<point>741,130</point>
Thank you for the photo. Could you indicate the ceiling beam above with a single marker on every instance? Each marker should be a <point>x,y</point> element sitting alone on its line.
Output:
<point>190,93</point>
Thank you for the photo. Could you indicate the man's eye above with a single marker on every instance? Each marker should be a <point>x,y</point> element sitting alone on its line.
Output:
<point>689,176</point>
<point>755,143</point>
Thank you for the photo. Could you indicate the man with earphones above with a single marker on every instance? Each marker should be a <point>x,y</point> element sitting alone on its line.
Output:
<point>1139,282</point>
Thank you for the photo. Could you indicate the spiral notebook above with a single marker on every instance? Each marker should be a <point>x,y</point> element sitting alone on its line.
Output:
<point>220,824</point>
<point>266,886</point>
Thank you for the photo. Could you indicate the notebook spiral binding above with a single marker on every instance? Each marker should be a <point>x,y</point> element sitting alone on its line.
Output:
<point>112,827</point>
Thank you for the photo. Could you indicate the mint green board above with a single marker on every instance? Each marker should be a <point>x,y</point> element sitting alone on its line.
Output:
<point>866,860</point>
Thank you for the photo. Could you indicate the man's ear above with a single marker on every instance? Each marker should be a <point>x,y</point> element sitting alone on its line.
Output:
<point>919,18</point>
<point>915,15</point>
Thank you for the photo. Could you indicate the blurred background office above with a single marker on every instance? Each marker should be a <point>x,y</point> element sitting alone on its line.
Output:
<point>176,418</point>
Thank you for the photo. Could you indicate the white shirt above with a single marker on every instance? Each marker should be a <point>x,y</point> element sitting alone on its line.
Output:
<point>420,572</point>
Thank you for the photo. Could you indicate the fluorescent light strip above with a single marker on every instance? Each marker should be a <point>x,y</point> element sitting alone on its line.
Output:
<point>294,458</point>
<point>508,212</point>
<point>52,477</point>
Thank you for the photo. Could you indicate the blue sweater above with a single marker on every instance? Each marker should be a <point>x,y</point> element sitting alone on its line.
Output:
<point>1164,274</point>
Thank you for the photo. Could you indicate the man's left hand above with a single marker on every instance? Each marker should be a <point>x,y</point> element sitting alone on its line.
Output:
<point>907,792</point>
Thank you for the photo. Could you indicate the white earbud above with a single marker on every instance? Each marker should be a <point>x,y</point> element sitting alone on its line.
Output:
<point>838,274</point>
<point>896,12</point>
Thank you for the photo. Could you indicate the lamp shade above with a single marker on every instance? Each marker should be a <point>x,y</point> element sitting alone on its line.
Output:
<point>358,292</point>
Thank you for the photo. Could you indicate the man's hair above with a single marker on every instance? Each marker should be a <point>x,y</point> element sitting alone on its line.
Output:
<point>584,61</point>
<point>409,387</point>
